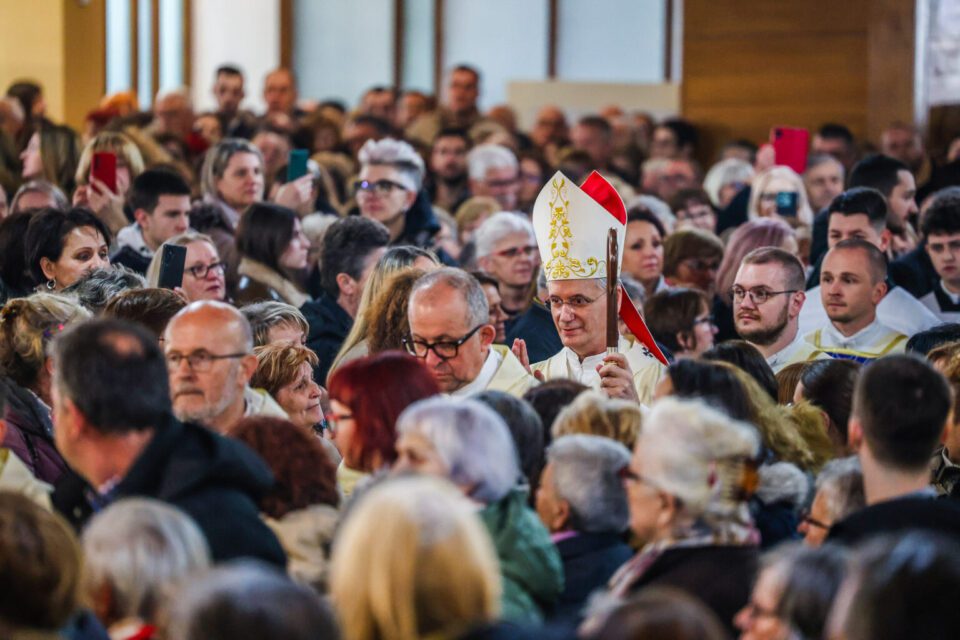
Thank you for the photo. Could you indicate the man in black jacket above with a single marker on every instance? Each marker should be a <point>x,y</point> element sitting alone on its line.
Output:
<point>114,426</point>
<point>900,409</point>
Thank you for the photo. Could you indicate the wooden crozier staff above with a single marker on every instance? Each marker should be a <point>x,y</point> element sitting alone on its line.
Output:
<point>613,325</point>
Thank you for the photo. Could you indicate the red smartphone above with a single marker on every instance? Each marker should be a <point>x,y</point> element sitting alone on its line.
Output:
<point>790,147</point>
<point>104,169</point>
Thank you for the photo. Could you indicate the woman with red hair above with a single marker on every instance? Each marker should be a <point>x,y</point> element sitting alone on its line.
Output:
<point>367,396</point>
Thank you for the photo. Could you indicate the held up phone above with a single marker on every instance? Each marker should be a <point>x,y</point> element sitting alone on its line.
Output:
<point>787,203</point>
<point>790,147</point>
<point>172,261</point>
<point>104,168</point>
<point>297,164</point>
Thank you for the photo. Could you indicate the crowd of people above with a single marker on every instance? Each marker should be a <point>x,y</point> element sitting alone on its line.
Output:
<point>390,398</point>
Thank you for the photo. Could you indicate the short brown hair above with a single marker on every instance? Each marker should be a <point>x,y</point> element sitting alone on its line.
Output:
<point>39,565</point>
<point>791,265</point>
<point>277,365</point>
<point>153,308</point>
<point>689,243</point>
<point>876,261</point>
<point>303,473</point>
<point>671,312</point>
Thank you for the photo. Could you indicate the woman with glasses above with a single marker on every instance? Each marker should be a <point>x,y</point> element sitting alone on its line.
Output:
<point>203,271</point>
<point>688,483</point>
<point>680,320</point>
<point>389,191</point>
<point>779,193</point>
<point>367,396</point>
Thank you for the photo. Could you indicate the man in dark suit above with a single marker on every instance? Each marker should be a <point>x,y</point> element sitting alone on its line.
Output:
<point>900,409</point>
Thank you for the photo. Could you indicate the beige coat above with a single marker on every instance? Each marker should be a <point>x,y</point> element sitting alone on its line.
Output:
<point>306,536</point>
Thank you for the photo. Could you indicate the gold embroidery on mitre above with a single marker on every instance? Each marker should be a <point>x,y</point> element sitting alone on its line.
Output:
<point>561,266</point>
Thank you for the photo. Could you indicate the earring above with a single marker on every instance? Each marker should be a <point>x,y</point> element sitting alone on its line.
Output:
<point>51,284</point>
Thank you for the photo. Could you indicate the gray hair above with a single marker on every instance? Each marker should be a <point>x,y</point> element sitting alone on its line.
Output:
<point>471,439</point>
<point>245,600</point>
<point>265,315</point>
<point>841,482</point>
<point>586,473</point>
<point>484,157</point>
<point>40,186</point>
<point>723,173</point>
<point>499,226</point>
<point>140,547</point>
<point>478,309</point>
<point>397,154</point>
<point>657,207</point>
<point>95,289</point>
<point>216,161</point>
<point>182,240</point>
<point>817,159</point>
<point>685,443</point>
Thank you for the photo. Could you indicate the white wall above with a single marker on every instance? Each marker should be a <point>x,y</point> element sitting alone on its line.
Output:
<point>505,39</point>
<point>342,47</point>
<point>245,33</point>
<point>610,40</point>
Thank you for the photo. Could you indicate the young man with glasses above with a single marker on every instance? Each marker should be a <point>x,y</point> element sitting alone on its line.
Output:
<point>208,347</point>
<point>450,332</point>
<point>767,298</point>
<point>572,225</point>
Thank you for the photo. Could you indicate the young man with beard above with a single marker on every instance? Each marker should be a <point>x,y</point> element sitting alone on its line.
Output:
<point>767,298</point>
<point>852,283</point>
<point>447,179</point>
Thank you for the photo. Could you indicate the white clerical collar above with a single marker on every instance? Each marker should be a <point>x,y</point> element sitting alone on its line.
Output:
<point>483,379</point>
<point>866,338</point>
<point>954,297</point>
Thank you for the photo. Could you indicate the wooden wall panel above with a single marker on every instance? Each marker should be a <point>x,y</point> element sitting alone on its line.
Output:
<point>748,66</point>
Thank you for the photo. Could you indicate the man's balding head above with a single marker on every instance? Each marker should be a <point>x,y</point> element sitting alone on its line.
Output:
<point>208,347</point>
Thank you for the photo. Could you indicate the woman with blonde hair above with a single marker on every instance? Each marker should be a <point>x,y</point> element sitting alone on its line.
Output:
<point>413,561</point>
<point>388,313</point>
<point>593,413</point>
<point>107,204</point>
<point>203,270</point>
<point>27,327</point>
<point>395,259</point>
<point>763,196</point>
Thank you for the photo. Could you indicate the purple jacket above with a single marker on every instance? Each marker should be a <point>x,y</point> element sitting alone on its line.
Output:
<point>30,433</point>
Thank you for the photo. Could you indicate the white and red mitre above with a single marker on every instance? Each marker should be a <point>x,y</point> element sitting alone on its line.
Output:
<point>572,224</point>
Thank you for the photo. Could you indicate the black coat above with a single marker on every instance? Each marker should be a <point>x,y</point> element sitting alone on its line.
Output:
<point>131,259</point>
<point>215,480</point>
<point>720,576</point>
<point>589,559</point>
<point>914,272</point>
<point>898,515</point>
<point>329,325</point>
<point>535,326</point>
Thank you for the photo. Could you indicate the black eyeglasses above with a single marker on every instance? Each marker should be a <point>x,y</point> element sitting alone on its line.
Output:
<point>445,350</point>
<point>759,295</point>
<point>200,271</point>
<point>380,187</point>
<point>708,319</point>
<point>198,361</point>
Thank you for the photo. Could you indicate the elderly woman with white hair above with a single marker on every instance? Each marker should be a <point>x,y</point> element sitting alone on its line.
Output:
<point>692,472</point>
<point>494,171</point>
<point>134,550</point>
<point>389,191</point>
<point>470,445</point>
<point>581,500</point>
<point>506,249</point>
